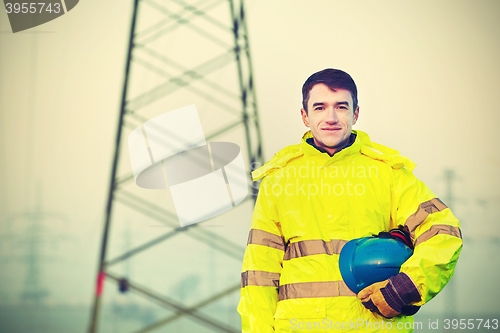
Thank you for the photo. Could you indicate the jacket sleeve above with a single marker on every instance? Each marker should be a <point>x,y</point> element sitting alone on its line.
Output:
<point>434,230</point>
<point>262,265</point>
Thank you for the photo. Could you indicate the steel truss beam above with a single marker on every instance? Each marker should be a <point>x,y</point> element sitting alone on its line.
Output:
<point>239,101</point>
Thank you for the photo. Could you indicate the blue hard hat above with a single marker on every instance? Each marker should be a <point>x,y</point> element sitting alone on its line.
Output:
<point>364,261</point>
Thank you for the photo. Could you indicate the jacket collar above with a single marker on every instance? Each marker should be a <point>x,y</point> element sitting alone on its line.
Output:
<point>362,144</point>
<point>312,150</point>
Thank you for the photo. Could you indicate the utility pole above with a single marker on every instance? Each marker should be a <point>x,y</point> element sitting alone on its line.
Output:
<point>180,50</point>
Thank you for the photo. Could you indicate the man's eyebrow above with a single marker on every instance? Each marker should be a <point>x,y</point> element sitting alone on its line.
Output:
<point>336,104</point>
<point>318,104</point>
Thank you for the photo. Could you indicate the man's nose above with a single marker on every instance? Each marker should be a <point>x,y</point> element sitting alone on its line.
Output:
<point>331,116</point>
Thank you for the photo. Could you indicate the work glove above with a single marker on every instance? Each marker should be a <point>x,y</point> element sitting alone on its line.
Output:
<point>391,297</point>
<point>401,233</point>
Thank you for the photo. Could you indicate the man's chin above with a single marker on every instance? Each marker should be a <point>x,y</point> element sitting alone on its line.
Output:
<point>332,143</point>
<point>335,145</point>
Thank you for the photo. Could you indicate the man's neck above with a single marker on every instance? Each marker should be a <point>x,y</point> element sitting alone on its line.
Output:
<point>352,138</point>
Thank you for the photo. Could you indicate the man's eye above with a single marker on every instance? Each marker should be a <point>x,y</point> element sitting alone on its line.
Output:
<point>319,108</point>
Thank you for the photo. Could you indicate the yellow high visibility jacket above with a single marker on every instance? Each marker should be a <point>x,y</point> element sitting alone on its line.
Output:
<point>309,205</point>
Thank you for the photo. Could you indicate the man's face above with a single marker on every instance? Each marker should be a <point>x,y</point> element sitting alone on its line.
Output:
<point>330,117</point>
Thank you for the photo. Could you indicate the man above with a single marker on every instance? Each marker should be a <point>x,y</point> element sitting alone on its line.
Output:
<point>335,186</point>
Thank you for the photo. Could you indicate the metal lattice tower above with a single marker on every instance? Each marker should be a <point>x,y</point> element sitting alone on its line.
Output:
<point>180,52</point>
<point>34,232</point>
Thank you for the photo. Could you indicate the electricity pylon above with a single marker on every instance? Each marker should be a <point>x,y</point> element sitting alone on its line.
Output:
<point>32,236</point>
<point>180,52</point>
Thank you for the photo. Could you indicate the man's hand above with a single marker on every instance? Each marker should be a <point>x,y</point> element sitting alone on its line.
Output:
<point>391,297</point>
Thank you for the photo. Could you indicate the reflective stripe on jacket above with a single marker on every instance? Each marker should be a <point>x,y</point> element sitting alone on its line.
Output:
<point>309,205</point>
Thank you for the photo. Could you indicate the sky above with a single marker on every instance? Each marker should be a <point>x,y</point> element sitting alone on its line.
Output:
<point>427,74</point>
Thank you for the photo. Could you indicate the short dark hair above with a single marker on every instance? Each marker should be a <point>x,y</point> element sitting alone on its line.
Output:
<point>333,79</point>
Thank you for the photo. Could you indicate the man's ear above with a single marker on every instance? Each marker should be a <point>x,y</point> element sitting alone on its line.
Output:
<point>305,118</point>
<point>356,115</point>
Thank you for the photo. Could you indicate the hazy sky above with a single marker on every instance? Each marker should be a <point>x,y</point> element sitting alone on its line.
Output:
<point>427,73</point>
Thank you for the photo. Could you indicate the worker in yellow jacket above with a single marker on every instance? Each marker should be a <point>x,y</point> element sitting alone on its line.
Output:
<point>335,186</point>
